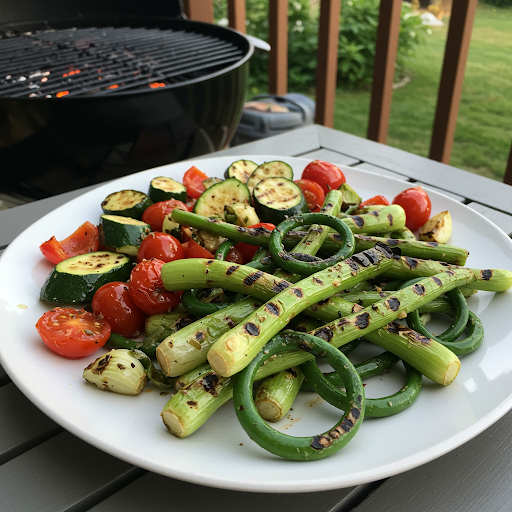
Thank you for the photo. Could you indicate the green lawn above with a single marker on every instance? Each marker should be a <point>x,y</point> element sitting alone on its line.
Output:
<point>484,128</point>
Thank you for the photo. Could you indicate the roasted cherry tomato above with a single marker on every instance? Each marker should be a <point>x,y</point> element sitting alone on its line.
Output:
<point>155,214</point>
<point>147,290</point>
<point>247,250</point>
<point>85,239</point>
<point>193,180</point>
<point>161,246</point>
<point>73,333</point>
<point>375,200</point>
<point>313,193</point>
<point>113,303</point>
<point>195,250</point>
<point>327,175</point>
<point>417,206</point>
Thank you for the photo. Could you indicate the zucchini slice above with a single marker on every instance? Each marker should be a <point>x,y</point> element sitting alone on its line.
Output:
<point>123,234</point>
<point>127,203</point>
<point>162,188</point>
<point>75,280</point>
<point>241,170</point>
<point>211,202</point>
<point>276,199</point>
<point>274,169</point>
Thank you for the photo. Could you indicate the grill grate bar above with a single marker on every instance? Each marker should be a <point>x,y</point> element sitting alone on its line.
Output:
<point>104,60</point>
<point>128,65</point>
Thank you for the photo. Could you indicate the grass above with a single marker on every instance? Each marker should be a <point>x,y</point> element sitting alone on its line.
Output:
<point>483,133</point>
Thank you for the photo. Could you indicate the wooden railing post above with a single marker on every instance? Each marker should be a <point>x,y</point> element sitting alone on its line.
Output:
<point>278,39</point>
<point>199,10</point>
<point>508,171</point>
<point>236,15</point>
<point>327,67</point>
<point>384,69</point>
<point>452,77</point>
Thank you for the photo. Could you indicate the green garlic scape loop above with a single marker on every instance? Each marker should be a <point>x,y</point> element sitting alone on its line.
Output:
<point>300,448</point>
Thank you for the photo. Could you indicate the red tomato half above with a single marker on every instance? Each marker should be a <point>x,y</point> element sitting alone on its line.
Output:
<point>161,246</point>
<point>193,180</point>
<point>247,250</point>
<point>114,303</point>
<point>85,239</point>
<point>313,193</point>
<point>73,333</point>
<point>327,175</point>
<point>417,206</point>
<point>155,214</point>
<point>375,200</point>
<point>147,290</point>
<point>195,250</point>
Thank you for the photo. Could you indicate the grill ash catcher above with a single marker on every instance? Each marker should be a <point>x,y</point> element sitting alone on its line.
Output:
<point>97,91</point>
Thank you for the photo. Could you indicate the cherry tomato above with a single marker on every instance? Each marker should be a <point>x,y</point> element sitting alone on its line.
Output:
<point>155,214</point>
<point>113,302</point>
<point>313,193</point>
<point>191,202</point>
<point>161,246</point>
<point>195,250</point>
<point>247,250</point>
<point>327,175</point>
<point>375,200</point>
<point>147,290</point>
<point>73,333</point>
<point>193,180</point>
<point>417,206</point>
<point>85,239</point>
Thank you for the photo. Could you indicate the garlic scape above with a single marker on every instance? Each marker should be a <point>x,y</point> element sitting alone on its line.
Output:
<point>125,371</point>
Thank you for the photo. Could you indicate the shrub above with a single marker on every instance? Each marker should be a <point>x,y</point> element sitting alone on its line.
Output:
<point>356,54</point>
<point>498,3</point>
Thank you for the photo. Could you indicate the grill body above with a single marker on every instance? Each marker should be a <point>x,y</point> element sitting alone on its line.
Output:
<point>50,145</point>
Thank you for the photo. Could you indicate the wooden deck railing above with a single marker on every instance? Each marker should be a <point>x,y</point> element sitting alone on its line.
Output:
<point>452,76</point>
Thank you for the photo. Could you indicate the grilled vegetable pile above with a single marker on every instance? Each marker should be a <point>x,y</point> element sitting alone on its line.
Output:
<point>239,287</point>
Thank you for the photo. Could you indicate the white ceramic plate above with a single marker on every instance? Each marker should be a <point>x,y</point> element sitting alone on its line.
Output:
<point>220,454</point>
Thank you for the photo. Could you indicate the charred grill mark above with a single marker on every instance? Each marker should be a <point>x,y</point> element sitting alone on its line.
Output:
<point>231,269</point>
<point>486,274</point>
<point>182,322</point>
<point>437,280</point>
<point>450,272</point>
<point>209,262</point>
<point>390,219</point>
<point>304,257</point>
<point>387,251</point>
<point>353,265</point>
<point>304,345</point>
<point>355,411</point>
<point>326,207</point>
<point>392,241</point>
<point>424,340</point>
<point>392,303</point>
<point>229,322</point>
<point>192,403</point>
<point>279,287</point>
<point>292,372</point>
<point>251,329</point>
<point>372,256</point>
<point>358,221</point>
<point>325,333</point>
<point>356,308</point>
<point>341,324</point>
<point>318,281</point>
<point>320,442</point>
<point>272,308</point>
<point>323,302</point>
<point>361,259</point>
<point>432,244</point>
<point>252,278</point>
<point>411,262</point>
<point>418,289</point>
<point>209,383</point>
<point>362,320</point>
<point>336,237</point>
<point>297,292</point>
<point>200,335</point>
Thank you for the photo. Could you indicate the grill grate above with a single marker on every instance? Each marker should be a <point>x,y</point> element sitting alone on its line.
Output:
<point>99,61</point>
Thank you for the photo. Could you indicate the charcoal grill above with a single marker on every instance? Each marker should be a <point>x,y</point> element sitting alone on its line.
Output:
<point>87,95</point>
